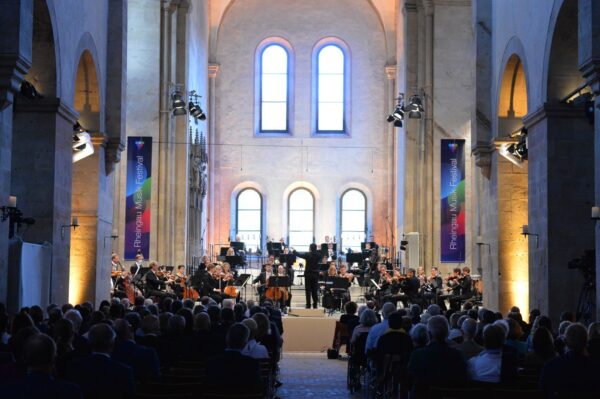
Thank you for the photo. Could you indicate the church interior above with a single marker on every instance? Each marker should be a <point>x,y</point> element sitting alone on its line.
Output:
<point>299,198</point>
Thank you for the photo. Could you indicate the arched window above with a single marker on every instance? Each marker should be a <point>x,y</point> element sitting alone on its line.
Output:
<point>249,218</point>
<point>331,90</point>
<point>274,89</point>
<point>354,219</point>
<point>301,208</point>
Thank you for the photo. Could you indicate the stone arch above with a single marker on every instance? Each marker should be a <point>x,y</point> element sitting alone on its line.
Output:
<point>43,73</point>
<point>513,52</point>
<point>87,256</point>
<point>512,184</point>
<point>88,97</point>
<point>561,70</point>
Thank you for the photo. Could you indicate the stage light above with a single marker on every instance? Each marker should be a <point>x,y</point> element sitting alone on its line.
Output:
<point>196,111</point>
<point>82,143</point>
<point>415,107</point>
<point>177,103</point>
<point>397,115</point>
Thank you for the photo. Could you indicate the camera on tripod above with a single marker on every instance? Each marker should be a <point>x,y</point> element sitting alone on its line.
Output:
<point>587,266</point>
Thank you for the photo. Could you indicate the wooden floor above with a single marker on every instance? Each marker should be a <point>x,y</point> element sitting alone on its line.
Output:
<point>312,375</point>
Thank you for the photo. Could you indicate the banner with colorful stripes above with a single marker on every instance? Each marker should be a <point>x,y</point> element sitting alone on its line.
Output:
<point>138,200</point>
<point>452,196</point>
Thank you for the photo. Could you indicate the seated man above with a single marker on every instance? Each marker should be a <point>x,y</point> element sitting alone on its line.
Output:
<point>39,354</point>
<point>487,366</point>
<point>573,374</point>
<point>246,370</point>
<point>436,364</point>
<point>393,351</point>
<point>98,375</point>
<point>143,360</point>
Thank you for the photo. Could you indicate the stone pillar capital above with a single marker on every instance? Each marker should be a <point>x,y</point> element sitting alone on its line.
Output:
<point>552,110</point>
<point>213,70</point>
<point>47,105</point>
<point>482,151</point>
<point>13,68</point>
<point>591,73</point>
<point>114,147</point>
<point>390,72</point>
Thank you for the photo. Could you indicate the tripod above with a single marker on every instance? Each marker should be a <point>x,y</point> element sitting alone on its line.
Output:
<point>586,305</point>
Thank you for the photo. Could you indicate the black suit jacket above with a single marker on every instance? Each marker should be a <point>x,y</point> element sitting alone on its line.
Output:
<point>101,377</point>
<point>244,369</point>
<point>143,360</point>
<point>38,385</point>
<point>312,261</point>
<point>153,282</point>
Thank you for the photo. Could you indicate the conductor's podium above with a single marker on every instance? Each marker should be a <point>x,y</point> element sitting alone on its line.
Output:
<point>308,330</point>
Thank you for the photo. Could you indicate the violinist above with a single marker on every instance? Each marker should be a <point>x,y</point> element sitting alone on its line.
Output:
<point>212,282</point>
<point>432,287</point>
<point>463,290</point>
<point>350,277</point>
<point>409,287</point>
<point>156,282</point>
<point>230,252</point>
<point>331,255</point>
<point>452,287</point>
<point>197,280</point>
<point>328,295</point>
<point>421,275</point>
<point>116,276</point>
<point>180,281</point>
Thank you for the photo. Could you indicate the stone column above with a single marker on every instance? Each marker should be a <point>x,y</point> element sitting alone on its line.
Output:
<point>16,30</point>
<point>42,179</point>
<point>212,200</point>
<point>90,242</point>
<point>589,64</point>
<point>561,189</point>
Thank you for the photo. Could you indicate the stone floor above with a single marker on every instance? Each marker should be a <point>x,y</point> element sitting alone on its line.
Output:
<point>312,375</point>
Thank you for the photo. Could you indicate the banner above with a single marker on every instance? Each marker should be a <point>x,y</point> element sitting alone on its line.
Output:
<point>452,196</point>
<point>138,191</point>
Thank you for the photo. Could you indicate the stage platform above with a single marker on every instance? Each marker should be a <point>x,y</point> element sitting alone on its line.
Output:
<point>309,331</point>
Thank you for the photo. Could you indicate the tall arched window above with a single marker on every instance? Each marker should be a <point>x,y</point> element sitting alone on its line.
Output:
<point>249,218</point>
<point>354,219</point>
<point>301,208</point>
<point>331,89</point>
<point>274,89</point>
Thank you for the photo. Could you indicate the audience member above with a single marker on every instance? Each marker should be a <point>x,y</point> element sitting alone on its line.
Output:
<point>253,348</point>
<point>469,347</point>
<point>144,361</point>
<point>436,364</point>
<point>543,350</point>
<point>487,366</point>
<point>380,328</point>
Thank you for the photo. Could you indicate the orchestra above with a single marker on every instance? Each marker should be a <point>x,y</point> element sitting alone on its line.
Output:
<point>326,275</point>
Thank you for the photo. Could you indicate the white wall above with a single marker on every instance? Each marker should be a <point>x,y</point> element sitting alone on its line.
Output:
<point>276,165</point>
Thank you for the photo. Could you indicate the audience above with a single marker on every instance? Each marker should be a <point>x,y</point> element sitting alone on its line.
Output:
<point>575,372</point>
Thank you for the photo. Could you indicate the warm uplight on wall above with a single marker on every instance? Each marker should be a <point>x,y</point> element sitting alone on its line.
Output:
<point>519,293</point>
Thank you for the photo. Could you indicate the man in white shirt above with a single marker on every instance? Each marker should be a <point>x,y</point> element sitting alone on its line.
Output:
<point>139,263</point>
<point>487,366</point>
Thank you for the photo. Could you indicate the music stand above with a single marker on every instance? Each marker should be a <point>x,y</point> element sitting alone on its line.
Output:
<point>323,267</point>
<point>354,257</point>
<point>373,245</point>
<point>288,259</point>
<point>237,245</point>
<point>325,248</point>
<point>223,251</point>
<point>274,248</point>
<point>234,261</point>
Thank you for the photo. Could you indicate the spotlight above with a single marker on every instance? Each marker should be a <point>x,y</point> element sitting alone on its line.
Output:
<point>415,107</point>
<point>28,90</point>
<point>82,143</point>
<point>196,111</point>
<point>397,116</point>
<point>177,103</point>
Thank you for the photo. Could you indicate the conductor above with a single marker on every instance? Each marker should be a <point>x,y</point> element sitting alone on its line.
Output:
<point>311,274</point>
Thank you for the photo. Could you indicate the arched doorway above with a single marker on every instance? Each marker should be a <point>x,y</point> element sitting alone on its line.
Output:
<point>512,184</point>
<point>90,242</point>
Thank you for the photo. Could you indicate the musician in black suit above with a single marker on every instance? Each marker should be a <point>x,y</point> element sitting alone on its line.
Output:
<point>410,289</point>
<point>311,274</point>
<point>432,287</point>
<point>97,374</point>
<point>464,290</point>
<point>262,279</point>
<point>232,363</point>
<point>139,263</point>
<point>154,284</point>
